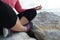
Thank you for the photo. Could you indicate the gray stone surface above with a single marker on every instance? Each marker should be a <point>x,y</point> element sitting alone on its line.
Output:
<point>1,38</point>
<point>18,36</point>
<point>47,26</point>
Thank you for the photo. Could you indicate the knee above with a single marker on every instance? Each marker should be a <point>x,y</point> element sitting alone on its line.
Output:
<point>32,12</point>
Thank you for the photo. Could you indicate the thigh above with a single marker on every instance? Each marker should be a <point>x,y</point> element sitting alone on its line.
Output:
<point>7,15</point>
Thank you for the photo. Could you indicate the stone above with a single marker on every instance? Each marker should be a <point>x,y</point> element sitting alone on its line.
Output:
<point>18,36</point>
<point>47,26</point>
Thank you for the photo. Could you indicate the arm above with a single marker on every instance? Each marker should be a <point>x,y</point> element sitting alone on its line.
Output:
<point>18,7</point>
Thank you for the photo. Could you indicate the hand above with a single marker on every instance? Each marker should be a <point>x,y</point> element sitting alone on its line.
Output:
<point>38,7</point>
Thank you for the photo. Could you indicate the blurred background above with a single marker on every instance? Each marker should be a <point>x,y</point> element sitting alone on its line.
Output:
<point>50,5</point>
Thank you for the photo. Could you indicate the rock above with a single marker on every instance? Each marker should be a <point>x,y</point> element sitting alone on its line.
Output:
<point>18,36</point>
<point>47,26</point>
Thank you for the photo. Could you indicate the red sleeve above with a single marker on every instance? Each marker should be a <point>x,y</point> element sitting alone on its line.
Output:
<point>18,7</point>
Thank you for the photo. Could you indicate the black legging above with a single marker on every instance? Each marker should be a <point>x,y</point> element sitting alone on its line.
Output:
<point>7,17</point>
<point>29,14</point>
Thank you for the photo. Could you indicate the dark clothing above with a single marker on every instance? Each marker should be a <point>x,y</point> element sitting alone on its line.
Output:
<point>7,17</point>
<point>29,14</point>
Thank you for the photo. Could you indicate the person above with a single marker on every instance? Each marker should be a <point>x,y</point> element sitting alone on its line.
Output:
<point>9,19</point>
<point>24,17</point>
<point>23,14</point>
